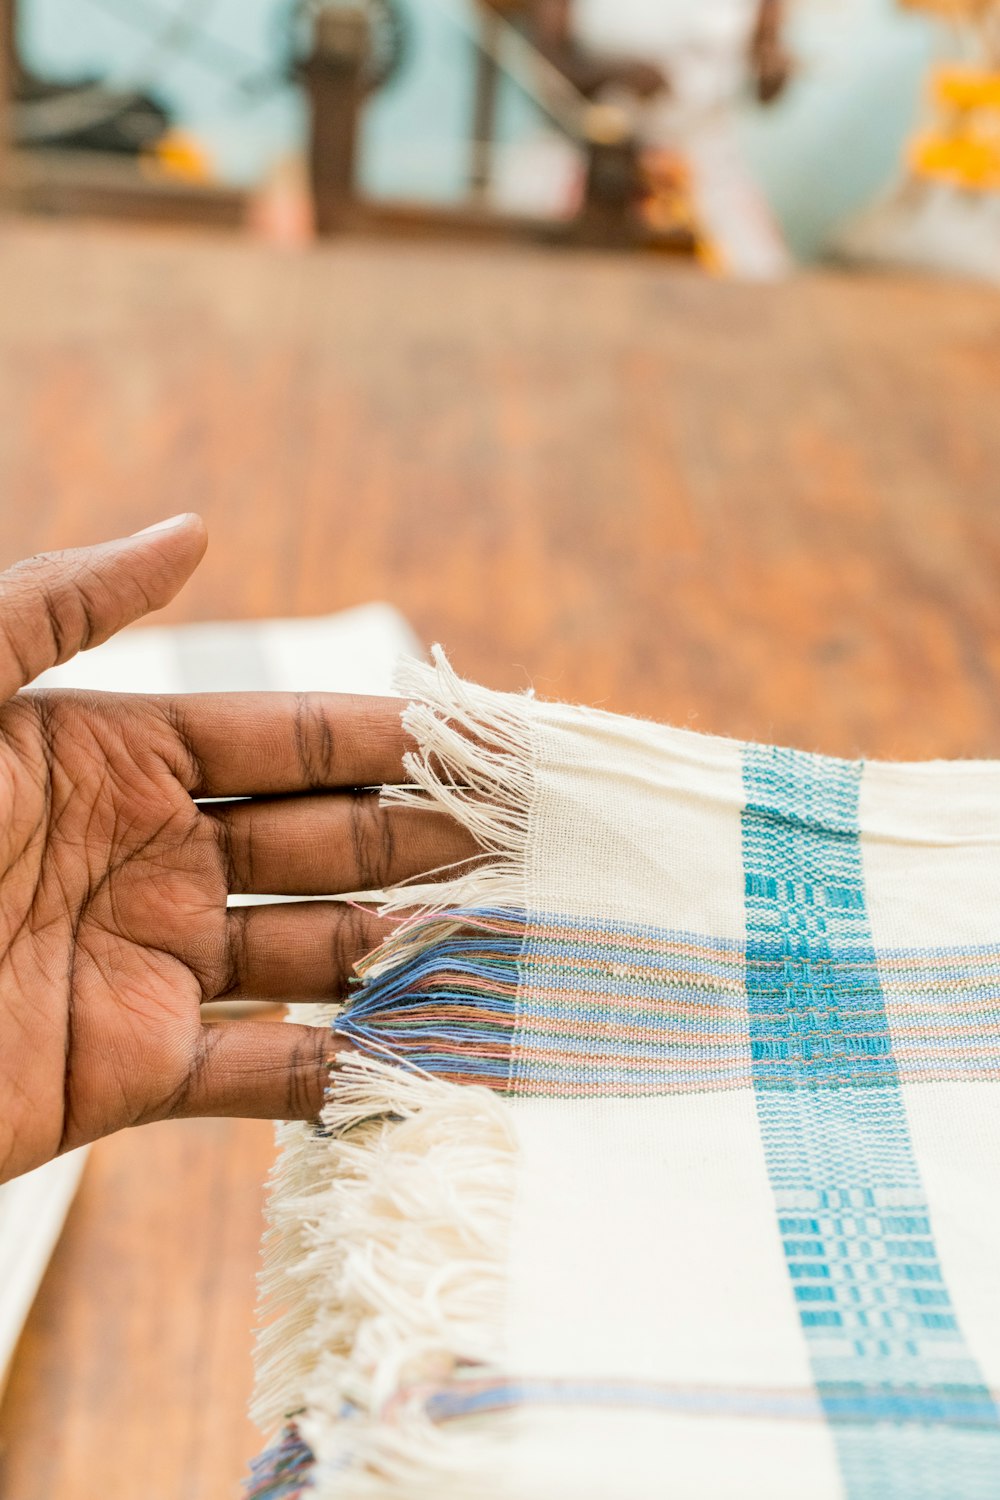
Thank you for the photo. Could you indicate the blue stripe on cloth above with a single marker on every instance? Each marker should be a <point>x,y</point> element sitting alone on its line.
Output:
<point>552,1006</point>
<point>852,1213</point>
<point>474,1393</point>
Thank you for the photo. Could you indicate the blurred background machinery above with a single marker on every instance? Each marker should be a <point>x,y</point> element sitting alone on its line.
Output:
<point>475,117</point>
<point>482,119</point>
<point>95,146</point>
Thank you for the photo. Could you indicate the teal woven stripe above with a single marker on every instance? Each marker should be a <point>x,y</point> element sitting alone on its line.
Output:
<point>855,1226</point>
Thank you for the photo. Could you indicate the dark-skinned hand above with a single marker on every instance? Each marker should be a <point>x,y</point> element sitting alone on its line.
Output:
<point>114,927</point>
<point>772,66</point>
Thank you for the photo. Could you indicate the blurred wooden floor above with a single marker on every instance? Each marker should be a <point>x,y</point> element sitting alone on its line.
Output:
<point>766,512</point>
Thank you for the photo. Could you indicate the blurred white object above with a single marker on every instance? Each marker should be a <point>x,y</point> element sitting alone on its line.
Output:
<point>703,49</point>
<point>32,1210</point>
<point>929,227</point>
<point>356,651</point>
<point>731,205</point>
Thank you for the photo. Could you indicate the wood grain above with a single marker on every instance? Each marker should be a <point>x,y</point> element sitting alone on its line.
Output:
<point>133,1374</point>
<point>766,512</point>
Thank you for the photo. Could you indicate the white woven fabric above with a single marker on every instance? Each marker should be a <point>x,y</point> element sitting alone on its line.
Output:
<point>669,1167</point>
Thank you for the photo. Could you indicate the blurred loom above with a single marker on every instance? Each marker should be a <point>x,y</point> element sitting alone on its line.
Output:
<point>91,148</point>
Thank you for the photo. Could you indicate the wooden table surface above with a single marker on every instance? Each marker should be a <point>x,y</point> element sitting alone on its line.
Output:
<point>766,512</point>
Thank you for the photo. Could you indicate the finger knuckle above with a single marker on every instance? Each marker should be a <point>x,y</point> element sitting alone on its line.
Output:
<point>315,746</point>
<point>309,1075</point>
<point>371,842</point>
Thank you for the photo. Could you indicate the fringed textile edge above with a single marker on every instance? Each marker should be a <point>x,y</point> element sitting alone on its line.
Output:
<point>387,1254</point>
<point>385,1257</point>
<point>448,1005</point>
<point>293,1262</point>
<point>474,762</point>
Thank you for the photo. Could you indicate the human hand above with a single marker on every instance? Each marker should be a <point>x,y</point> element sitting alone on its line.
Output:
<point>644,79</point>
<point>590,72</point>
<point>113,876</point>
<point>772,67</point>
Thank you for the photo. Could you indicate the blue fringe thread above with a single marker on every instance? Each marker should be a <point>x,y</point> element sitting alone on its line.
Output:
<point>283,1471</point>
<point>448,1010</point>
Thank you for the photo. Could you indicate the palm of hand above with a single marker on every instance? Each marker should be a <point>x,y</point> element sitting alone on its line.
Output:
<point>112,922</point>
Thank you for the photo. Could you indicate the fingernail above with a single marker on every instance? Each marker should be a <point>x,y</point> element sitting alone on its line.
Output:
<point>165,525</point>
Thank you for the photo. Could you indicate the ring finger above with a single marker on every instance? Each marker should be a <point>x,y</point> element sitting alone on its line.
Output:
<point>303,951</point>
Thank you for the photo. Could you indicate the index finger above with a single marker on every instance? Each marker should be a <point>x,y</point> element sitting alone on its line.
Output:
<point>256,744</point>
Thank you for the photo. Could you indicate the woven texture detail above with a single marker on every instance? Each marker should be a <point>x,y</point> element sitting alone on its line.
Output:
<point>667,1165</point>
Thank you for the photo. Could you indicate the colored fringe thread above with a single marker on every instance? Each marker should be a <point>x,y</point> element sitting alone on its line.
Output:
<point>448,1007</point>
<point>283,1471</point>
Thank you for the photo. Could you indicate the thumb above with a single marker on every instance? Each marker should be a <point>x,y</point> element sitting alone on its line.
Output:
<point>59,603</point>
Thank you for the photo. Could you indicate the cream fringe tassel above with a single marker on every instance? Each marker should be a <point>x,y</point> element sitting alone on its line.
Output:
<point>385,1259</point>
<point>474,762</point>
